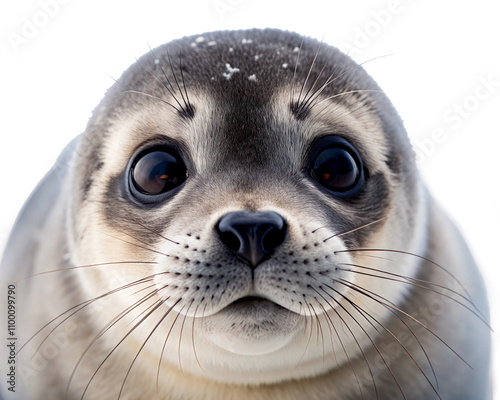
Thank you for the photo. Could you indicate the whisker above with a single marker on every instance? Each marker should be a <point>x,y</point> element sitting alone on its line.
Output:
<point>150,96</point>
<point>148,308</point>
<point>412,255</point>
<point>148,337</point>
<point>392,308</point>
<point>153,231</point>
<point>329,328</point>
<point>306,106</point>
<point>407,281</point>
<point>353,230</point>
<point>146,288</point>
<point>292,94</point>
<point>82,305</point>
<point>180,334</point>
<point>319,330</point>
<point>365,332</point>
<point>305,103</point>
<point>187,110</point>
<point>104,330</point>
<point>170,89</point>
<point>298,105</point>
<point>85,266</point>
<point>135,244</point>
<point>341,343</point>
<point>348,92</point>
<point>164,346</point>
<point>189,106</point>
<point>164,86</point>
<point>361,108</point>
<point>309,103</point>
<point>366,314</point>
<point>411,280</point>
<point>307,319</point>
<point>389,304</point>
<point>331,80</point>
<point>192,334</point>
<point>121,341</point>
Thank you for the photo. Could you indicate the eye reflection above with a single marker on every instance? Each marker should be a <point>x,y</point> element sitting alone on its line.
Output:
<point>158,172</point>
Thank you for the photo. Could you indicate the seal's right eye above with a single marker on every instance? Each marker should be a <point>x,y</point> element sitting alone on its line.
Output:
<point>158,171</point>
<point>338,167</point>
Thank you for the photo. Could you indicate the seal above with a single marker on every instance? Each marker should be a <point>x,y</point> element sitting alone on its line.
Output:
<point>243,219</point>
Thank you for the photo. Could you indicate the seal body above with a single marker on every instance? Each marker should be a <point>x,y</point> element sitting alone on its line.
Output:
<point>243,218</point>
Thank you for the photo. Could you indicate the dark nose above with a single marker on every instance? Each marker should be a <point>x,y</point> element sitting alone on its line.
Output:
<point>252,235</point>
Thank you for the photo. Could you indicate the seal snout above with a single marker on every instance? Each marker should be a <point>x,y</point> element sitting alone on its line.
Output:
<point>252,235</point>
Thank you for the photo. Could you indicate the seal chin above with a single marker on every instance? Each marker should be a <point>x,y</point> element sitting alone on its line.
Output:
<point>252,326</point>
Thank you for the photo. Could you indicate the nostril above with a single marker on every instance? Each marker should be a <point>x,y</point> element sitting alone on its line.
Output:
<point>252,235</point>
<point>230,240</point>
<point>273,238</point>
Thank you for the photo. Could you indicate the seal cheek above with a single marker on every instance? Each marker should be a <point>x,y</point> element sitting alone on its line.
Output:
<point>252,327</point>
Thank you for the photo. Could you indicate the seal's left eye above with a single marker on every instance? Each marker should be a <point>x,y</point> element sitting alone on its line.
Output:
<point>338,167</point>
<point>157,172</point>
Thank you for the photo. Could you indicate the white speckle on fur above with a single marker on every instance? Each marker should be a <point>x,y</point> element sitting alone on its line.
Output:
<point>193,44</point>
<point>257,56</point>
<point>285,65</point>
<point>296,49</point>
<point>157,61</point>
<point>231,49</point>
<point>229,71</point>
<point>200,39</point>
<point>246,41</point>
<point>212,43</point>
<point>252,78</point>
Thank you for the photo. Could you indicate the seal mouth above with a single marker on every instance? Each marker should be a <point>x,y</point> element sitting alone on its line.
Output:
<point>252,326</point>
<point>254,305</point>
<point>250,300</point>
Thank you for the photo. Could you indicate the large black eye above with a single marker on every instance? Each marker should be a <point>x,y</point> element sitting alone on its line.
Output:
<point>157,172</point>
<point>338,168</point>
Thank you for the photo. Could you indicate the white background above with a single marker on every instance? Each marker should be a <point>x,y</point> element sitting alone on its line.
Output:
<point>57,60</point>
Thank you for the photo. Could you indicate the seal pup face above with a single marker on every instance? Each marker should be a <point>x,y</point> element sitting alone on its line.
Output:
<point>230,183</point>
